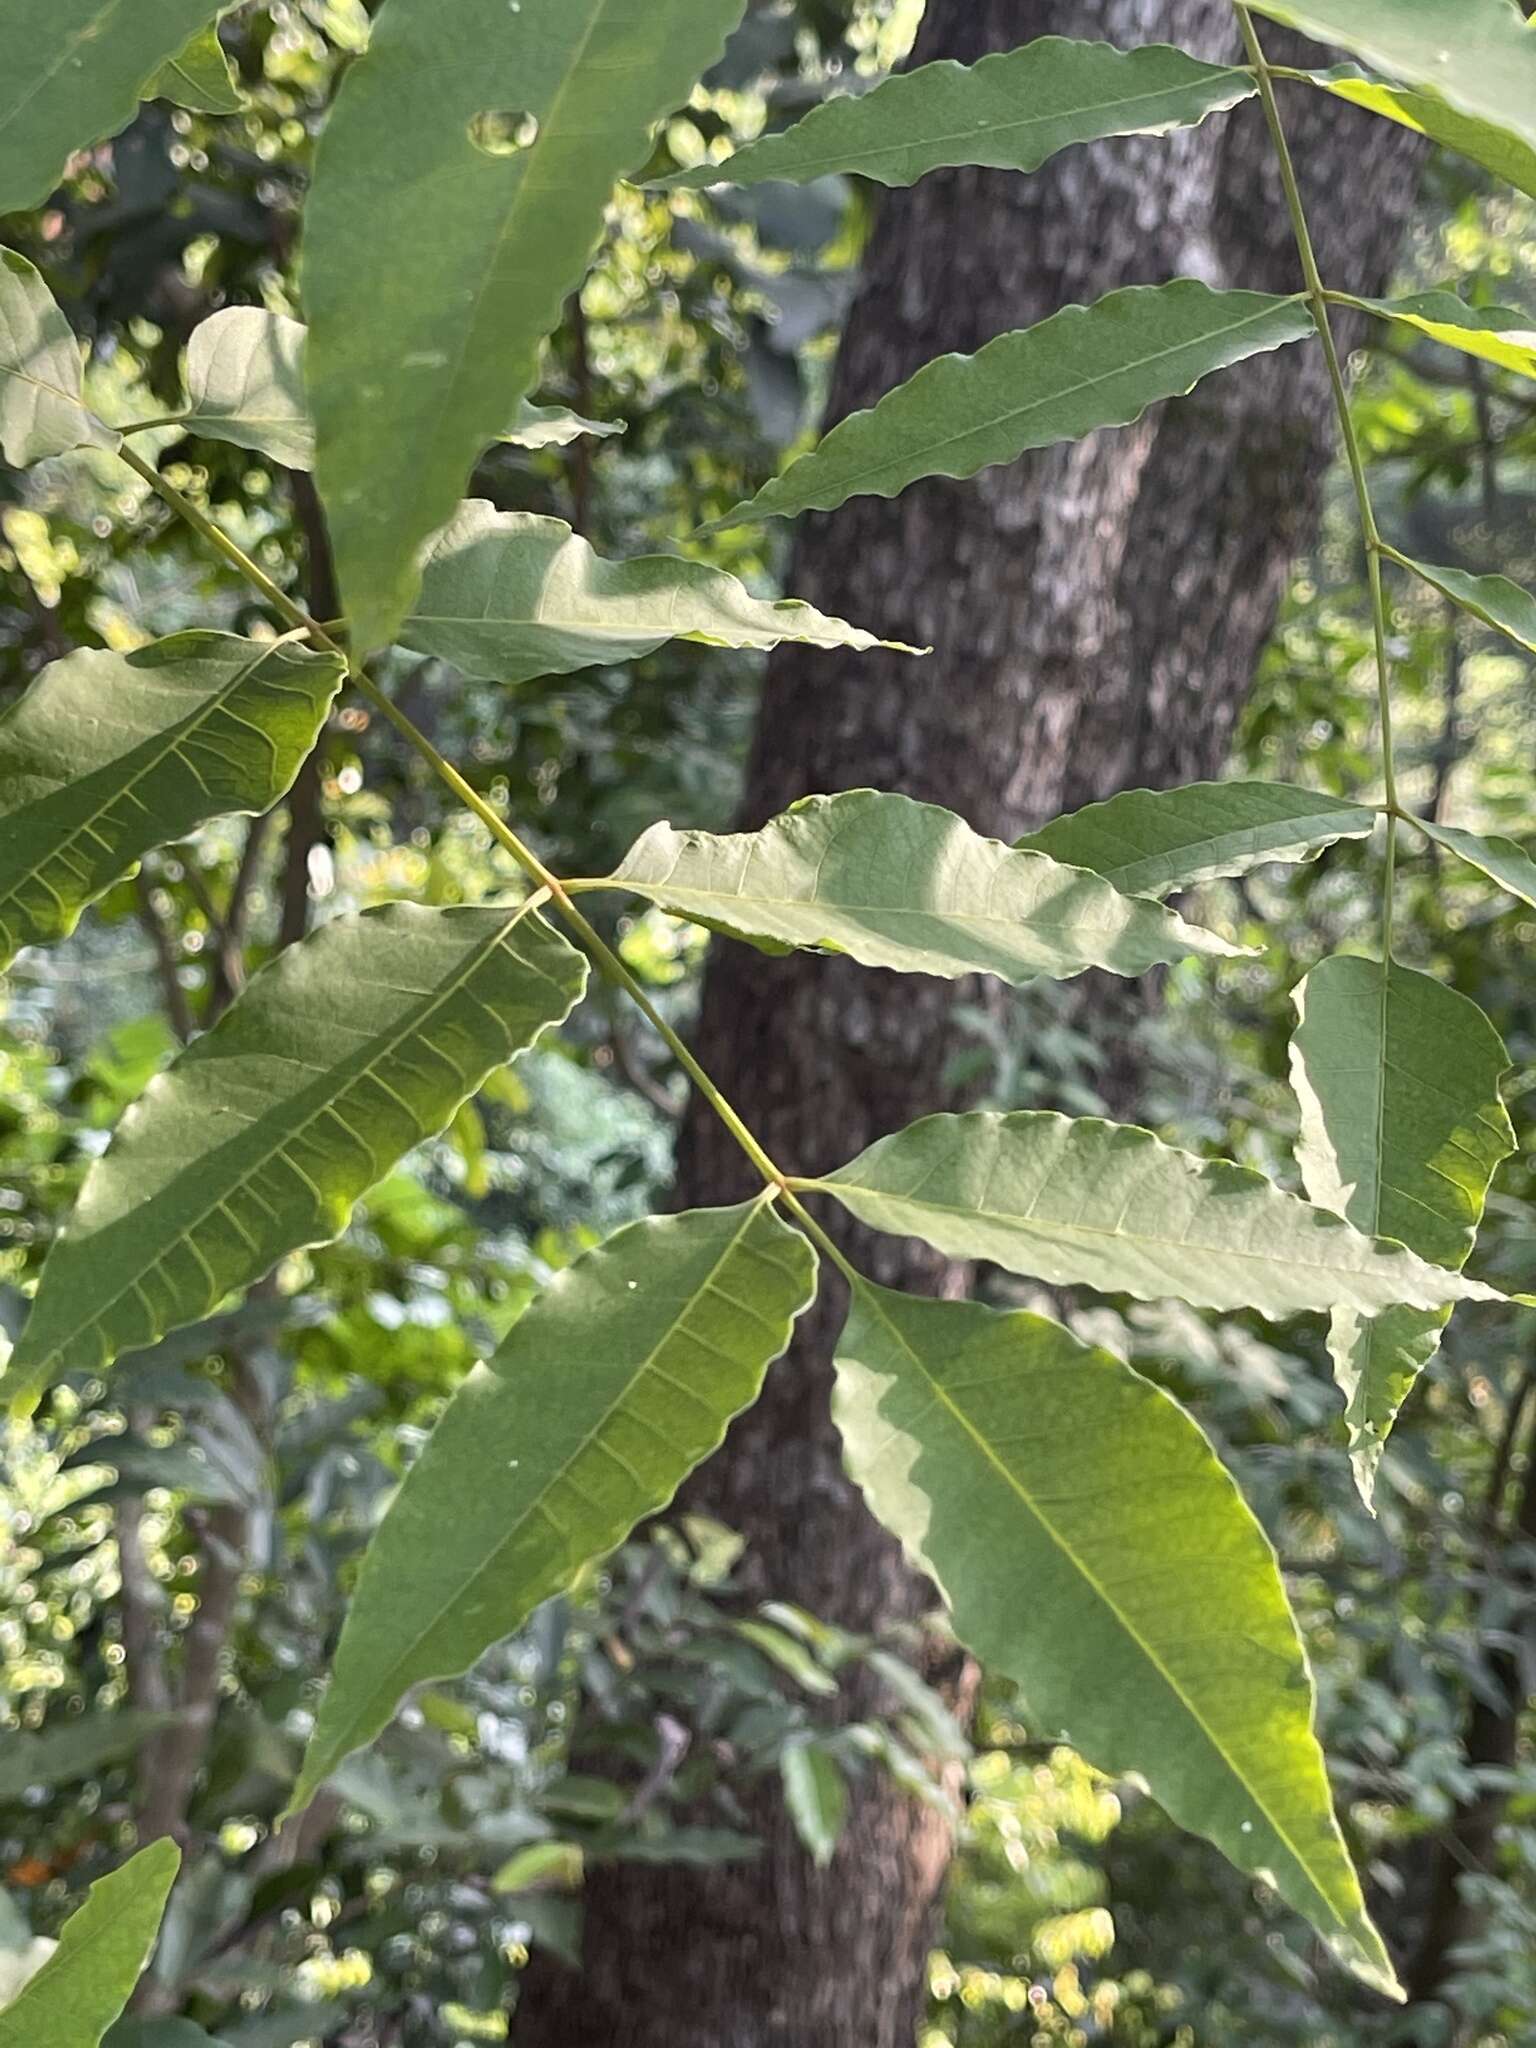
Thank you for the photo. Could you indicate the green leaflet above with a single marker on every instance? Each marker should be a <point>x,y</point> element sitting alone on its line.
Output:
<point>1072,1201</point>
<point>1402,1130</point>
<point>75,71</point>
<point>417,359</point>
<point>815,1797</point>
<point>510,595</point>
<point>245,384</point>
<point>900,884</point>
<point>200,78</point>
<point>71,1750</point>
<point>553,426</point>
<point>1493,599</point>
<point>1493,333</point>
<point>619,1379</point>
<point>343,1053</point>
<point>108,755</point>
<point>1500,859</point>
<point>1010,111</point>
<point>1149,842</point>
<point>42,405</point>
<point>1494,148</point>
<point>88,1979</point>
<point>1473,55</point>
<point>1083,368</point>
<point>1091,1546</point>
<point>134,2033</point>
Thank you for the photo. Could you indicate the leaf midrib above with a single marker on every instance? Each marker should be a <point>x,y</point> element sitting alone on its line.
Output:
<point>941,1394</point>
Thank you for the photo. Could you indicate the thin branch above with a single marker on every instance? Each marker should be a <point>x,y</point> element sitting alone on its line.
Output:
<point>177,1008</point>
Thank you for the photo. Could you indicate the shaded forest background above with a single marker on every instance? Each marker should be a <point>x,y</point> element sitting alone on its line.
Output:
<point>727,1709</point>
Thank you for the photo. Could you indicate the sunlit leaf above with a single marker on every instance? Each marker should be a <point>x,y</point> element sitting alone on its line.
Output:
<point>1473,55</point>
<point>510,595</point>
<point>1110,1206</point>
<point>42,407</point>
<point>1402,1130</point>
<point>618,1380</point>
<point>88,1979</point>
<point>476,165</point>
<point>1010,111</point>
<point>108,755</point>
<point>553,426</point>
<point>341,1055</point>
<point>900,884</point>
<point>1492,333</point>
<point>1149,842</point>
<point>815,1796</point>
<point>75,71</point>
<point>1494,148</point>
<point>1083,368</point>
<point>1092,1548</point>
<point>1500,859</point>
<point>199,78</point>
<point>245,384</point>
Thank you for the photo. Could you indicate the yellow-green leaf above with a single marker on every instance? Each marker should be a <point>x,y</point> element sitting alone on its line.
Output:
<point>88,1979</point>
<point>1092,1548</point>
<point>1492,333</point>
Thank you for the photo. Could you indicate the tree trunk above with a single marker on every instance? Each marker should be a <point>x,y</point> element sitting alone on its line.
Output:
<point>1097,611</point>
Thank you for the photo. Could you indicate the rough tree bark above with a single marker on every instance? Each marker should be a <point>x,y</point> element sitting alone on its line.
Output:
<point>1097,612</point>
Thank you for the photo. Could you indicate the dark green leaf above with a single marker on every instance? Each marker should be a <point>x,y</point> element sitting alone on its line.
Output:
<point>1149,842</point>
<point>815,1795</point>
<point>1109,1206</point>
<point>524,117</point>
<point>1402,1129</point>
<point>108,755</point>
<point>340,1056</point>
<point>1092,1548</point>
<point>510,595</point>
<point>906,885</point>
<point>1010,111</point>
<point>1083,368</point>
<point>75,71</point>
<point>88,1979</point>
<point>72,1750</point>
<point>618,1380</point>
<point>42,407</point>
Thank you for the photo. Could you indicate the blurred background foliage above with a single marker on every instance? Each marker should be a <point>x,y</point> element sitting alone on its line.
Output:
<point>211,1502</point>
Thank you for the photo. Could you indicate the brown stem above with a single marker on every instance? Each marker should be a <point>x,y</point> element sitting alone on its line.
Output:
<point>177,1009</point>
<point>229,968</point>
<point>306,804</point>
<point>579,454</point>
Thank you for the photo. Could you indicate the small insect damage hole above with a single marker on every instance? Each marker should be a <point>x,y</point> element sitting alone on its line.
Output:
<point>503,131</point>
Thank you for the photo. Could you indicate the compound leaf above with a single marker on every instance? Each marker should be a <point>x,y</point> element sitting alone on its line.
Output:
<point>1473,56</point>
<point>88,1979</point>
<point>42,404</point>
<point>900,884</point>
<point>1402,1130</point>
<point>1149,842</point>
<point>1083,368</point>
<point>343,1053</point>
<point>1493,333</point>
<point>511,595</point>
<point>108,755</point>
<point>1080,1201</point>
<point>1009,111</point>
<point>1091,1546</point>
<point>620,1378</point>
<point>482,160</point>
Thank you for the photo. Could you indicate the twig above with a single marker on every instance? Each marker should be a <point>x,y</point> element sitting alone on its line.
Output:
<point>177,1009</point>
